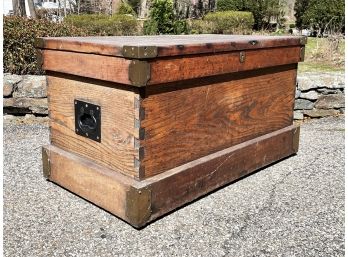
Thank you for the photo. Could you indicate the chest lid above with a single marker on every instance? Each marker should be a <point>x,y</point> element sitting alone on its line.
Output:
<point>144,47</point>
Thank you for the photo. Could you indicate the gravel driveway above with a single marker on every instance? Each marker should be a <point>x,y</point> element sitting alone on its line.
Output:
<point>292,208</point>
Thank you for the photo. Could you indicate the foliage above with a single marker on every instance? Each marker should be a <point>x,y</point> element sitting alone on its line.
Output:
<point>193,8</point>
<point>163,20</point>
<point>104,25</point>
<point>19,36</point>
<point>199,26</point>
<point>320,14</point>
<point>231,5</point>
<point>125,8</point>
<point>262,10</point>
<point>135,4</point>
<point>300,8</point>
<point>150,27</point>
<point>162,12</point>
<point>229,22</point>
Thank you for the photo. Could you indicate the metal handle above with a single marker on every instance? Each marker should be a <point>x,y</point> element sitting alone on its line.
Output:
<point>88,120</point>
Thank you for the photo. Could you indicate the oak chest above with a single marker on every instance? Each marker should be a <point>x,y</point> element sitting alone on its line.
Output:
<point>142,125</point>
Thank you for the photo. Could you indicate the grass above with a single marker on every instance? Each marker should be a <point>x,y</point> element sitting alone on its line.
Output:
<point>317,66</point>
<point>323,54</point>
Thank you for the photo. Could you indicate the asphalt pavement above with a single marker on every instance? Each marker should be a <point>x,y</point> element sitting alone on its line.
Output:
<point>292,208</point>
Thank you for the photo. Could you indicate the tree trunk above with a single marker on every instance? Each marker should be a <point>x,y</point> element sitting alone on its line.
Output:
<point>64,8</point>
<point>19,7</point>
<point>143,9</point>
<point>32,9</point>
<point>15,7</point>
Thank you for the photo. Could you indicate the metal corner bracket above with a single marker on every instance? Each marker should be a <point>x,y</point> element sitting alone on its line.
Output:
<point>302,54</point>
<point>139,52</point>
<point>139,73</point>
<point>46,163</point>
<point>39,57</point>
<point>296,139</point>
<point>303,40</point>
<point>138,206</point>
<point>39,42</point>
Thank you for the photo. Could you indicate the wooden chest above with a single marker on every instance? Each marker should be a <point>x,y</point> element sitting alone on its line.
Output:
<point>142,125</point>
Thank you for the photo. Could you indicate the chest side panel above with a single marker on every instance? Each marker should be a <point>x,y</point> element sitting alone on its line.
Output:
<point>107,68</point>
<point>118,113</point>
<point>184,122</point>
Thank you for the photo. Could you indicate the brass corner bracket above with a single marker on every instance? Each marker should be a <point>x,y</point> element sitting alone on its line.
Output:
<point>302,54</point>
<point>139,73</point>
<point>139,52</point>
<point>138,206</point>
<point>303,40</point>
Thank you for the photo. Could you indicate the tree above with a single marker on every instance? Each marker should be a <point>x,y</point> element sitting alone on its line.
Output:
<point>19,7</point>
<point>263,10</point>
<point>32,9</point>
<point>301,6</point>
<point>319,14</point>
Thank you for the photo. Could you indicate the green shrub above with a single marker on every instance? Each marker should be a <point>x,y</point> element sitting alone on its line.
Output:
<point>201,27</point>
<point>19,36</point>
<point>230,22</point>
<point>125,8</point>
<point>104,25</point>
<point>263,11</point>
<point>150,27</point>
<point>163,20</point>
<point>230,5</point>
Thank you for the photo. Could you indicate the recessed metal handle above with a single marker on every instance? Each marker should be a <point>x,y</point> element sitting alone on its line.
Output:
<point>87,120</point>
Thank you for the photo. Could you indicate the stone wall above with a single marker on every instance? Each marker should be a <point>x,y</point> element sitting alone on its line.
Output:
<point>25,94</point>
<point>317,95</point>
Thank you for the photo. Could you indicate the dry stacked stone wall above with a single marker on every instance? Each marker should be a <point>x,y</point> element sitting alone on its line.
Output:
<point>317,95</point>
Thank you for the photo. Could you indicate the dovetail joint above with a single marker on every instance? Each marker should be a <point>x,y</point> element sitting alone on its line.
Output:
<point>140,115</point>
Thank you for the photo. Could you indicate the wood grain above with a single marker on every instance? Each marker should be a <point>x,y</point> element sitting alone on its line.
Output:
<point>87,65</point>
<point>169,45</point>
<point>116,149</point>
<point>196,66</point>
<point>88,180</point>
<point>184,122</point>
<point>183,184</point>
<point>140,202</point>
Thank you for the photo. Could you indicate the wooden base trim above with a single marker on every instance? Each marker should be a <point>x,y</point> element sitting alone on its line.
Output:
<point>139,202</point>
